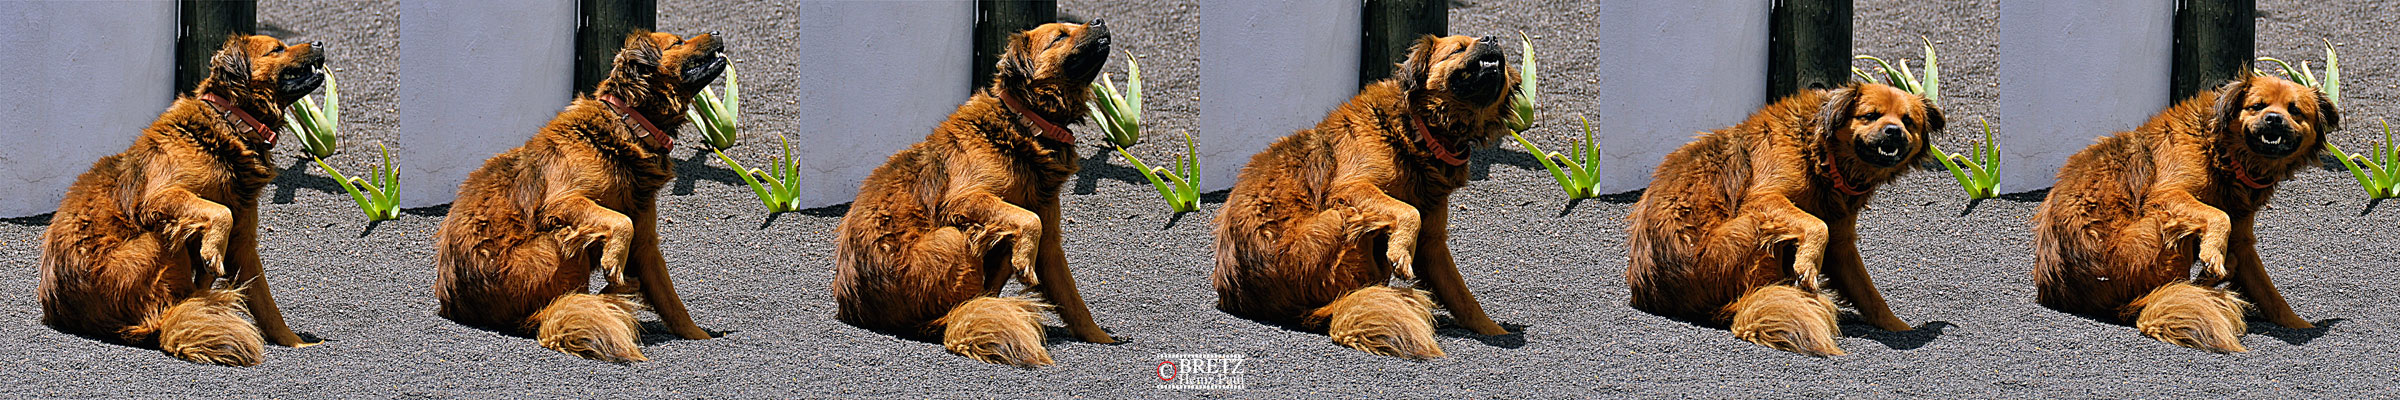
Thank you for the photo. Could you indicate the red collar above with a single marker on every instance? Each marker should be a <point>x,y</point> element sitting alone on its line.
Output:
<point>1433,145</point>
<point>2241,173</point>
<point>1833,173</point>
<point>648,133</point>
<point>1049,130</point>
<point>264,133</point>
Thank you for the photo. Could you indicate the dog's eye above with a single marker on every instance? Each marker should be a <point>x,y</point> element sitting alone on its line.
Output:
<point>1871,116</point>
<point>2256,107</point>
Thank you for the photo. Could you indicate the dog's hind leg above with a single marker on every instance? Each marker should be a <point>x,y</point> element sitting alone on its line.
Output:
<point>1786,318</point>
<point>998,330</point>
<point>2191,316</point>
<point>207,328</point>
<point>1383,320</point>
<point>598,327</point>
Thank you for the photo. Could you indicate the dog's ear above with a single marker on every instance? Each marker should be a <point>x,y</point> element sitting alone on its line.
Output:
<point>640,56</point>
<point>1933,120</point>
<point>231,64</point>
<point>1412,72</point>
<point>1015,66</point>
<point>2229,103</point>
<point>1836,110</point>
<point>2328,118</point>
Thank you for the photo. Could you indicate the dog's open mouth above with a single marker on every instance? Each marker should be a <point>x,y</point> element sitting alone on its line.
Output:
<point>1091,52</point>
<point>702,71</point>
<point>2274,140</point>
<point>297,81</point>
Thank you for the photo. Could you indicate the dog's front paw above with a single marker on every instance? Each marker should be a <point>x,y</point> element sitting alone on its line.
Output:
<point>2212,264</point>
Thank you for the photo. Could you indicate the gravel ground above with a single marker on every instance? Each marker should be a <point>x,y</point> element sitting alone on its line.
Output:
<point>1550,269</point>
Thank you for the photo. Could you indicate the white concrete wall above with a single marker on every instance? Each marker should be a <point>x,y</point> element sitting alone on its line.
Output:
<point>1252,95</point>
<point>478,77</point>
<point>1714,73</point>
<point>88,77</point>
<point>2070,73</point>
<point>864,99</point>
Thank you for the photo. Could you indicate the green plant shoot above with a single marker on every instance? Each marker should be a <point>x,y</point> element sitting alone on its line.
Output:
<point>1119,114</point>
<point>2378,171</point>
<point>719,120</point>
<point>1577,172</point>
<point>319,128</point>
<point>1978,171</point>
<point>1525,99</point>
<point>2331,86</point>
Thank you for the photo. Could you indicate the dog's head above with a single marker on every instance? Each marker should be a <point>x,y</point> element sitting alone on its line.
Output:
<point>1051,67</point>
<point>1877,130</point>
<point>262,75</point>
<point>1463,82</point>
<point>658,73</point>
<point>2277,123</point>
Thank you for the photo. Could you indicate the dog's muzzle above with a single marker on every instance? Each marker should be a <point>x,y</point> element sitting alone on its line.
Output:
<point>302,77</point>
<point>1091,52</point>
<point>1889,147</point>
<point>2273,137</point>
<point>1485,77</point>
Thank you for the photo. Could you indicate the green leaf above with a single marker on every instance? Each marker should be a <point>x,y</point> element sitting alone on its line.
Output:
<point>2333,75</point>
<point>1933,82</point>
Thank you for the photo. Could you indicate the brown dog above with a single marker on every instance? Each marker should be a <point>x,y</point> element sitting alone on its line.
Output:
<point>1320,222</point>
<point>137,249</point>
<point>938,230</point>
<point>1737,226</point>
<point>2130,214</point>
<point>517,252</point>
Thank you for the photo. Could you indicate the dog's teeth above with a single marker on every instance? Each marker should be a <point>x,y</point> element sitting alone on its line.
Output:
<point>1888,152</point>
<point>2272,140</point>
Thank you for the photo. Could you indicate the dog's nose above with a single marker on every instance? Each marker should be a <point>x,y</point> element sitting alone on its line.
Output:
<point>1894,131</point>
<point>1097,23</point>
<point>1488,39</point>
<point>2273,118</point>
<point>316,44</point>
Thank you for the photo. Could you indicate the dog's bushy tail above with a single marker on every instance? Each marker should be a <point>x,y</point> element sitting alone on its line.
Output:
<point>207,328</point>
<point>599,327</point>
<point>2191,316</point>
<point>1786,318</point>
<point>1383,320</point>
<point>998,330</point>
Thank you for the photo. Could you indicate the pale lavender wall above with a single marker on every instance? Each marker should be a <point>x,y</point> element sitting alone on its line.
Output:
<point>106,74</point>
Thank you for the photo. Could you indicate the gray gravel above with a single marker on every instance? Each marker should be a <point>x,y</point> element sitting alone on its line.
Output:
<point>1551,270</point>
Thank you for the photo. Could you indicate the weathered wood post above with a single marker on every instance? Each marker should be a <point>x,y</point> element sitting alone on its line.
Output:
<point>1390,26</point>
<point>994,21</point>
<point>2214,41</point>
<point>600,29</point>
<point>204,25</point>
<point>1808,46</point>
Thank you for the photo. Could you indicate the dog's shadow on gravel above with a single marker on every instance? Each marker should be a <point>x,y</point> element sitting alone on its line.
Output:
<point>1907,340</point>
<point>293,178</point>
<point>689,171</point>
<point>656,332</point>
<point>2296,337</point>
<point>1448,327</point>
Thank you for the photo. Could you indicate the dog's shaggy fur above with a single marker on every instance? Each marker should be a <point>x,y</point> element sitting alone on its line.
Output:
<point>939,229</point>
<point>1738,226</point>
<point>1321,221</point>
<point>140,247</point>
<point>2131,214</point>
<point>516,253</point>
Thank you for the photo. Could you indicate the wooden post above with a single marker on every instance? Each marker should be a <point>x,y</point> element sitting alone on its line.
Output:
<point>1390,27</point>
<point>204,25</point>
<point>1808,46</point>
<point>994,21</point>
<point>600,29</point>
<point>2214,41</point>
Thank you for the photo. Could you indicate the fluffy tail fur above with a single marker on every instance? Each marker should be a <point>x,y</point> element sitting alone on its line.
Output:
<point>207,328</point>
<point>2191,316</point>
<point>1786,318</point>
<point>997,330</point>
<point>599,327</point>
<point>1383,320</point>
